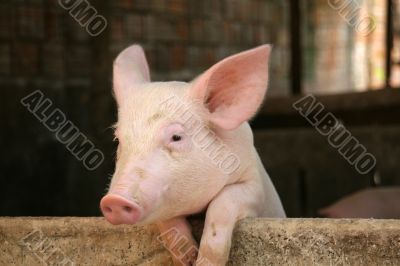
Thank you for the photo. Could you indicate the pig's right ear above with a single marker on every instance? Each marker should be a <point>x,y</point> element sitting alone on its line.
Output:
<point>130,69</point>
<point>234,88</point>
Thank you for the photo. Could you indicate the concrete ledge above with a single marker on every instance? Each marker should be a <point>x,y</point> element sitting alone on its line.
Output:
<point>91,241</point>
<point>316,242</point>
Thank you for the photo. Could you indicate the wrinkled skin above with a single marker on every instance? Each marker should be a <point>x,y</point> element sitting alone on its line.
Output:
<point>162,173</point>
<point>382,202</point>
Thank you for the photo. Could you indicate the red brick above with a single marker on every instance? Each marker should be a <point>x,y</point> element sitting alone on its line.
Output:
<point>75,32</point>
<point>30,22</point>
<point>162,57</point>
<point>212,8</point>
<point>197,30</point>
<point>117,29</point>
<point>212,31</point>
<point>158,5</point>
<point>268,11</point>
<point>232,33</point>
<point>193,57</point>
<point>78,61</point>
<point>260,35</point>
<point>247,34</point>
<point>237,30</point>
<point>25,59</point>
<point>182,30</point>
<point>209,57</point>
<point>53,60</point>
<point>160,28</point>
<point>229,9</point>
<point>141,4</point>
<point>7,25</point>
<point>123,4</point>
<point>197,8</point>
<point>54,27</point>
<point>177,6</point>
<point>177,57</point>
<point>4,59</point>
<point>243,10</point>
<point>134,26</point>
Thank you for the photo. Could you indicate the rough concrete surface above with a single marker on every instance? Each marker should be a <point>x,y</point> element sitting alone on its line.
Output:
<point>91,241</point>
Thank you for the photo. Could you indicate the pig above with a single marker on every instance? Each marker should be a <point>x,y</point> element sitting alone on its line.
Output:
<point>161,176</point>
<point>377,202</point>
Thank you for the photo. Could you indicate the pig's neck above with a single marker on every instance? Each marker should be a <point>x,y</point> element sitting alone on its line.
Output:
<point>252,171</point>
<point>272,203</point>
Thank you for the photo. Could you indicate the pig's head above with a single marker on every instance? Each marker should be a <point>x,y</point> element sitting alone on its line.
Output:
<point>160,171</point>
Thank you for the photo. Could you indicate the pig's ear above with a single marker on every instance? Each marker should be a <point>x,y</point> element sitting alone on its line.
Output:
<point>234,88</point>
<point>130,69</point>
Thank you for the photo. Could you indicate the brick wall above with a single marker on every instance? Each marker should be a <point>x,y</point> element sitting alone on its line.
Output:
<point>39,39</point>
<point>341,53</point>
<point>43,47</point>
<point>182,38</point>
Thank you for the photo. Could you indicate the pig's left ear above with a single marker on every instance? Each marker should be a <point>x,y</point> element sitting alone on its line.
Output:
<point>130,69</point>
<point>234,88</point>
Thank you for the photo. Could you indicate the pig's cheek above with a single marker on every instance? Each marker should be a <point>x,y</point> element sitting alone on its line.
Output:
<point>187,144</point>
<point>184,146</point>
<point>152,191</point>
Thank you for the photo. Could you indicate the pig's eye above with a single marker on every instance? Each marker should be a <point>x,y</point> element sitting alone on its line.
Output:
<point>176,138</point>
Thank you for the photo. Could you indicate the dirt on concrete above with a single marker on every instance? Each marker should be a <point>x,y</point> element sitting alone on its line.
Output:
<point>92,241</point>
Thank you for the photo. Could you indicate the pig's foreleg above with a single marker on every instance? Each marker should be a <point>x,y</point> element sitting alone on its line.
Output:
<point>176,236</point>
<point>233,203</point>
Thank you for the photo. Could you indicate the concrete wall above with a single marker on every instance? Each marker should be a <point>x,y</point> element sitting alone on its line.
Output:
<point>90,241</point>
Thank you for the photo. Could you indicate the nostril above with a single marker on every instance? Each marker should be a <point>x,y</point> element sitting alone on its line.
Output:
<point>127,208</point>
<point>118,210</point>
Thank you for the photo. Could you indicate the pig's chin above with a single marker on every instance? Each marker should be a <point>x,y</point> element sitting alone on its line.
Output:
<point>152,218</point>
<point>158,215</point>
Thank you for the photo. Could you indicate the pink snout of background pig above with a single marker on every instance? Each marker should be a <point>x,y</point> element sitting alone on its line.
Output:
<point>162,175</point>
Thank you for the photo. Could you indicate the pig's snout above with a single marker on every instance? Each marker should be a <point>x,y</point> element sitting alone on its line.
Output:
<point>118,210</point>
